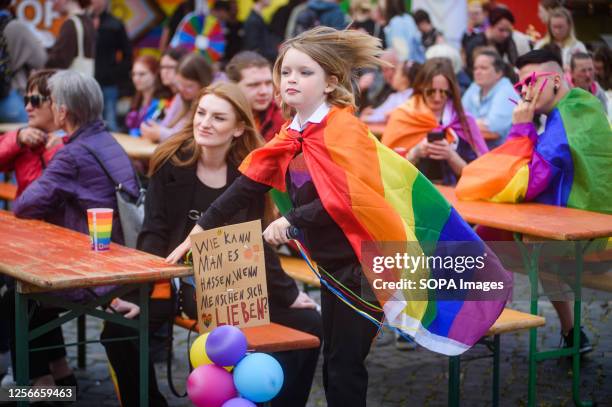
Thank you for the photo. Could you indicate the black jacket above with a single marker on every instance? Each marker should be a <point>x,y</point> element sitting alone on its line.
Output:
<point>259,37</point>
<point>167,222</point>
<point>113,51</point>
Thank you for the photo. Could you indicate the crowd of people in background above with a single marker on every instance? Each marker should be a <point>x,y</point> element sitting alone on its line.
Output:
<point>443,107</point>
<point>93,41</point>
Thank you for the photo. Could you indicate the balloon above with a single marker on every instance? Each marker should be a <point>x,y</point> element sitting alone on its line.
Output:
<point>238,402</point>
<point>210,386</point>
<point>197,353</point>
<point>258,377</point>
<point>226,345</point>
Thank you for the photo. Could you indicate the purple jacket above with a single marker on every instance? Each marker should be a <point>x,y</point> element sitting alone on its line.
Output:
<point>74,182</point>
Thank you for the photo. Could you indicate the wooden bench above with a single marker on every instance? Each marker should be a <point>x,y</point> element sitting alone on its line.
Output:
<point>509,321</point>
<point>267,338</point>
<point>297,269</point>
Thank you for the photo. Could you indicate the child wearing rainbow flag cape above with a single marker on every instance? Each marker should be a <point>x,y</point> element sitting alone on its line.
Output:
<point>347,189</point>
<point>569,164</point>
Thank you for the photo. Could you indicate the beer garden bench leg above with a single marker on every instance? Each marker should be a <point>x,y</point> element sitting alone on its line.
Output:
<point>23,335</point>
<point>531,263</point>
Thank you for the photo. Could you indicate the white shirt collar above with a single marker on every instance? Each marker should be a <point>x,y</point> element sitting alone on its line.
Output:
<point>316,117</point>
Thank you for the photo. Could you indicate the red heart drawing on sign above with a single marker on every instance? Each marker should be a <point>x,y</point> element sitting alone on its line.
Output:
<point>207,319</point>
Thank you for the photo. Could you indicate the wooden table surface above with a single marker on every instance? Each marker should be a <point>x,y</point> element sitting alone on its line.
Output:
<point>543,221</point>
<point>136,148</point>
<point>50,257</point>
<point>4,127</point>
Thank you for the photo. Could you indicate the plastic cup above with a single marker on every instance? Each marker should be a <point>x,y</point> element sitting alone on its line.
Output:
<point>100,222</point>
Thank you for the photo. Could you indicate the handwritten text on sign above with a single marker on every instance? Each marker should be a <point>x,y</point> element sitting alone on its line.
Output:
<point>230,276</point>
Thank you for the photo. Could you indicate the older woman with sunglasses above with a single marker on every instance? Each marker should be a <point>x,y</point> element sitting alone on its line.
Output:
<point>431,129</point>
<point>28,150</point>
<point>75,180</point>
<point>72,182</point>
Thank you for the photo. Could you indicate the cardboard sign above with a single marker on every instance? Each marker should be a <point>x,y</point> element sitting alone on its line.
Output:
<point>230,276</point>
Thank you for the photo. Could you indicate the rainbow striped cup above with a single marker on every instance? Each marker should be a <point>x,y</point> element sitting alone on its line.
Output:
<point>100,222</point>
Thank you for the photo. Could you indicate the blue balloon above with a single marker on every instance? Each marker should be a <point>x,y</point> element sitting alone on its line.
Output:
<point>258,377</point>
<point>238,402</point>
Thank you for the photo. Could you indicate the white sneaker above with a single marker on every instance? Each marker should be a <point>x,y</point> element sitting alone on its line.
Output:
<point>8,380</point>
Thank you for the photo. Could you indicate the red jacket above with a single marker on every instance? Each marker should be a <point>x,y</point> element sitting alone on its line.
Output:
<point>269,122</point>
<point>28,164</point>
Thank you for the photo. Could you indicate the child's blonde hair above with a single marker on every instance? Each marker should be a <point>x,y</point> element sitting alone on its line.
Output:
<point>339,53</point>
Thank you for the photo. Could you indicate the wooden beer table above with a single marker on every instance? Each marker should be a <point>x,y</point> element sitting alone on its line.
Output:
<point>44,258</point>
<point>136,148</point>
<point>529,221</point>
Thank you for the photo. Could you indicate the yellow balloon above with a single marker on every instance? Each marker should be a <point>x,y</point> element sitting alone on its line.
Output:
<point>197,353</point>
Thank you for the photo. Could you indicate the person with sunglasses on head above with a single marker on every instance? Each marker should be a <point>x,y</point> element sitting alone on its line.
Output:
<point>431,129</point>
<point>27,151</point>
<point>568,164</point>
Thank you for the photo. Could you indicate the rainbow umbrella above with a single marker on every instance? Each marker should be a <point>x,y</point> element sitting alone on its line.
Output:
<point>199,32</point>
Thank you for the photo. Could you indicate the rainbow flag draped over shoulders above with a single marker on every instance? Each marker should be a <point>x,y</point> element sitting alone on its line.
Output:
<point>375,195</point>
<point>569,164</point>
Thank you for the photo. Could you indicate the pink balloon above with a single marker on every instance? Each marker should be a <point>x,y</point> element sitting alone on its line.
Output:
<point>210,386</point>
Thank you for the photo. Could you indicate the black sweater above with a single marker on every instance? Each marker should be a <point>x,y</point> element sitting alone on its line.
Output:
<point>323,237</point>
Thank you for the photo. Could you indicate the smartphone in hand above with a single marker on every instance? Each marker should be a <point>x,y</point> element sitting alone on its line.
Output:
<point>435,136</point>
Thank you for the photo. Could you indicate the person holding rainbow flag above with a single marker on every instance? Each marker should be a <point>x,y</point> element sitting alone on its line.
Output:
<point>349,191</point>
<point>568,164</point>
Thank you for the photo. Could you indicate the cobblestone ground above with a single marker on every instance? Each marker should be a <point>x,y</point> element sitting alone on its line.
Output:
<point>419,378</point>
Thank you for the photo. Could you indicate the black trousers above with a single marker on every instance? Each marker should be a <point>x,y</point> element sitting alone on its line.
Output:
<point>347,338</point>
<point>39,361</point>
<point>124,355</point>
<point>298,365</point>
<point>4,321</point>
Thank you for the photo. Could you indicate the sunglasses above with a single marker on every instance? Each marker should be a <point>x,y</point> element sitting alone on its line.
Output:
<point>35,100</point>
<point>528,80</point>
<point>429,92</point>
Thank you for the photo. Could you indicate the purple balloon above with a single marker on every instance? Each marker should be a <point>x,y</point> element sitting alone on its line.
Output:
<point>210,386</point>
<point>238,402</point>
<point>226,345</point>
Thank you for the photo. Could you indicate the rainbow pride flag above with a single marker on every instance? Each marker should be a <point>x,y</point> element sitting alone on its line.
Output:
<point>377,196</point>
<point>569,164</point>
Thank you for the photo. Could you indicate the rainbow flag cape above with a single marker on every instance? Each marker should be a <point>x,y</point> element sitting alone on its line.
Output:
<point>569,164</point>
<point>410,123</point>
<point>374,195</point>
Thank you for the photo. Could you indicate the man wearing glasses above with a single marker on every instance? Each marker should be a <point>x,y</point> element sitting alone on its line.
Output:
<point>568,164</point>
